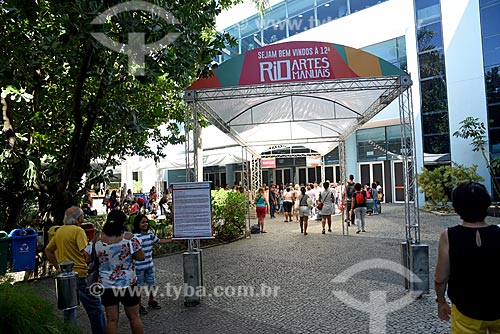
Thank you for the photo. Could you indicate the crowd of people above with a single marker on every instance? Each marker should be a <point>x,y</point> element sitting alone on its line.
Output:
<point>465,252</point>
<point>131,203</point>
<point>125,258</point>
<point>320,201</point>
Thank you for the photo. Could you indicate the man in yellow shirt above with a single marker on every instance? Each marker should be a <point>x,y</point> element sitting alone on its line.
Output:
<point>68,244</point>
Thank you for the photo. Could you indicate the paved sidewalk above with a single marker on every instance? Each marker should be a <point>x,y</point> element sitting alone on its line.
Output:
<point>301,268</point>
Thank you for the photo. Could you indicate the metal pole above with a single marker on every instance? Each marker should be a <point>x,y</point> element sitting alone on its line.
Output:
<point>417,254</point>
<point>342,162</point>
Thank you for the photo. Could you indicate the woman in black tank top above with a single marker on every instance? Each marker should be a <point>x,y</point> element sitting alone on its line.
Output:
<point>467,259</point>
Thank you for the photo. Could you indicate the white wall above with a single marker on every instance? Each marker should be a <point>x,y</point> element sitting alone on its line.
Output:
<point>464,75</point>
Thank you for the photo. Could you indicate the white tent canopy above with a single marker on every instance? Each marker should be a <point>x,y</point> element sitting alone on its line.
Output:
<point>266,105</point>
<point>219,150</point>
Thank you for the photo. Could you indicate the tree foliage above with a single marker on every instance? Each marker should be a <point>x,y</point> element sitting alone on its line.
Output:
<point>437,183</point>
<point>475,130</point>
<point>228,213</point>
<point>67,100</point>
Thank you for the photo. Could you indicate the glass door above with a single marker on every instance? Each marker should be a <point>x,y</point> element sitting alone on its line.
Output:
<point>371,172</point>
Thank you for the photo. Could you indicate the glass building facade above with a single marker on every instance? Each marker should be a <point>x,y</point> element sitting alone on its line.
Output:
<point>490,31</point>
<point>288,18</point>
<point>434,104</point>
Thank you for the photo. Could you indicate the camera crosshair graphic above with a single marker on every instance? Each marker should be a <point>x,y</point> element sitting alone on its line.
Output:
<point>377,307</point>
<point>136,49</point>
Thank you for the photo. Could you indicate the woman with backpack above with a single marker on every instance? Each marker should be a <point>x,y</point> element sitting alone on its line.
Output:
<point>358,207</point>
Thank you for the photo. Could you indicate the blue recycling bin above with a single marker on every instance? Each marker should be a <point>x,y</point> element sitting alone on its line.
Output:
<point>23,249</point>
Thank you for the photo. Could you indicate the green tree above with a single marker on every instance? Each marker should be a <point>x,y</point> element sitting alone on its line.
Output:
<point>67,100</point>
<point>438,182</point>
<point>475,130</point>
<point>228,213</point>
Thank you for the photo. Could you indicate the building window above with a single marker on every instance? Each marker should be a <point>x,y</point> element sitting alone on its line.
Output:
<point>332,10</point>
<point>492,77</point>
<point>427,11</point>
<point>357,5</point>
<point>431,64</point>
<point>430,37</point>
<point>275,33</point>
<point>393,51</point>
<point>434,96</point>
<point>301,22</point>
<point>371,144</point>
<point>434,100</point>
<point>490,24</point>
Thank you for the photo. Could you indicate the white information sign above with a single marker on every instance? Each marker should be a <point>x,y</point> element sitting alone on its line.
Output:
<point>192,210</point>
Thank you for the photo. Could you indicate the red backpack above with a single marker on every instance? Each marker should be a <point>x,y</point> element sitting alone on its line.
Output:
<point>360,198</point>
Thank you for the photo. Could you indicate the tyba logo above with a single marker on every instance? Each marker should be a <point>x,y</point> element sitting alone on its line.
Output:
<point>378,306</point>
<point>136,49</point>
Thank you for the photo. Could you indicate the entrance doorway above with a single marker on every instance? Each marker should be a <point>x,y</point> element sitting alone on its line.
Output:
<point>371,172</point>
<point>398,181</point>
<point>309,175</point>
<point>265,178</point>
<point>283,176</point>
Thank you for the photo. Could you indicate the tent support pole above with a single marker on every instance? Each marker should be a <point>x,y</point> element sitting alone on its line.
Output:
<point>343,178</point>
<point>414,255</point>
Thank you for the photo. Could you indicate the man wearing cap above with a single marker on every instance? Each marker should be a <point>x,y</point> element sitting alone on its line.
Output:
<point>68,244</point>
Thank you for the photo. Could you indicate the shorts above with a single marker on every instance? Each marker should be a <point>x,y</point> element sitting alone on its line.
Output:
<point>146,277</point>
<point>287,206</point>
<point>261,211</point>
<point>304,211</point>
<point>129,296</point>
<point>462,324</point>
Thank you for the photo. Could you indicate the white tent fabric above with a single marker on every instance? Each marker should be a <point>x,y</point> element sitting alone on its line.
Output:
<point>306,93</point>
<point>314,115</point>
<point>219,149</point>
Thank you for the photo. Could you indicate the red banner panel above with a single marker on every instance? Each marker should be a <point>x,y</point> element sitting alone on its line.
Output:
<point>268,162</point>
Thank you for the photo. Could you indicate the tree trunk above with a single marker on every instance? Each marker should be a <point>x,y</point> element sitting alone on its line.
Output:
<point>14,204</point>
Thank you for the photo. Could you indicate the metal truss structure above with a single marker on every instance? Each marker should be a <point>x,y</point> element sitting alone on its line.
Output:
<point>299,88</point>
<point>207,102</point>
<point>390,88</point>
<point>410,175</point>
<point>188,147</point>
<point>343,177</point>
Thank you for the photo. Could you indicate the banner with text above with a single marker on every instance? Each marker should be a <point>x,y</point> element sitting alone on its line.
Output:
<point>313,160</point>
<point>268,162</point>
<point>303,61</point>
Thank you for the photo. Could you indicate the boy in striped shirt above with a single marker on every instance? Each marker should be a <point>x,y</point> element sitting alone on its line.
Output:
<point>145,269</point>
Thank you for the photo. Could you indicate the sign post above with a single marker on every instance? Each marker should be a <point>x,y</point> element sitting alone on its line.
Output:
<point>192,221</point>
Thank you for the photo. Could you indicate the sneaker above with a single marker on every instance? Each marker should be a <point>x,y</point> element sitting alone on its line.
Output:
<point>154,304</point>
<point>323,232</point>
<point>329,230</point>
<point>357,232</point>
<point>363,231</point>
<point>142,310</point>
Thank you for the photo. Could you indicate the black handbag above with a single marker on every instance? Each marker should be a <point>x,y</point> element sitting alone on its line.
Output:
<point>93,271</point>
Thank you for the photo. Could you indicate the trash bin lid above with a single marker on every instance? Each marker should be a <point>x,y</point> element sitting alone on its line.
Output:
<point>23,232</point>
<point>3,235</point>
